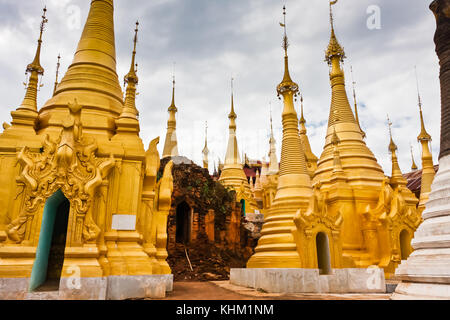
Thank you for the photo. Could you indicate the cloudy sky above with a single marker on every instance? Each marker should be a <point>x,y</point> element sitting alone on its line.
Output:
<point>211,41</point>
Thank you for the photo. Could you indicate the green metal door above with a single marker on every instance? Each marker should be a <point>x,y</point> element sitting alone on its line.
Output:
<point>39,271</point>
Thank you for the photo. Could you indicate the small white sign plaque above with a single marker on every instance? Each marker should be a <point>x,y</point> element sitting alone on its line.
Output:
<point>124,222</point>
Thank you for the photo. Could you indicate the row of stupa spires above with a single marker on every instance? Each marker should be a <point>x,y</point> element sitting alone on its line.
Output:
<point>171,143</point>
<point>26,114</point>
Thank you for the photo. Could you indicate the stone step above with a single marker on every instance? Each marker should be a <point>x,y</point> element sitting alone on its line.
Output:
<point>43,295</point>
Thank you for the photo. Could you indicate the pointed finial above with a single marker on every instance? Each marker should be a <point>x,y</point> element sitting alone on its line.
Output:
<point>414,166</point>
<point>57,73</point>
<point>418,90</point>
<point>424,135</point>
<point>232,114</point>
<point>136,34</point>
<point>389,125</point>
<point>205,148</point>
<point>36,64</point>
<point>356,103</point>
<point>131,76</point>
<point>286,85</point>
<point>353,84</point>
<point>334,48</point>
<point>172,105</point>
<point>302,118</point>
<point>392,145</point>
<point>130,81</point>
<point>332,3</point>
<point>35,69</point>
<point>285,38</point>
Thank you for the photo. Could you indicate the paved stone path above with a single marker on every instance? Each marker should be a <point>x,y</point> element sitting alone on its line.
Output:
<point>223,290</point>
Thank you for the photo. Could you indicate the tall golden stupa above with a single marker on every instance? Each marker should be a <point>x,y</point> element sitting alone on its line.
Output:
<point>276,247</point>
<point>81,211</point>
<point>350,218</point>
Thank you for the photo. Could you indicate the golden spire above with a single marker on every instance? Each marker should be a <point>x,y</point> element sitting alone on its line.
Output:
<point>340,106</point>
<point>273,160</point>
<point>171,143</point>
<point>423,136</point>
<point>272,138</point>
<point>392,145</point>
<point>35,69</point>
<point>334,48</point>
<point>356,103</point>
<point>205,150</point>
<point>57,73</point>
<point>397,176</point>
<point>172,107</point>
<point>413,166</point>
<point>428,171</point>
<point>206,138</point>
<point>302,118</point>
<point>286,85</point>
<point>232,115</point>
<point>131,80</point>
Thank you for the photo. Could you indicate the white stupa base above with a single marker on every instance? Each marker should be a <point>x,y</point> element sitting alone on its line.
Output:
<point>296,280</point>
<point>426,273</point>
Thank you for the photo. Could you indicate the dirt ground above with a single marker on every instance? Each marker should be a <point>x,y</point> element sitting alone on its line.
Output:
<point>223,290</point>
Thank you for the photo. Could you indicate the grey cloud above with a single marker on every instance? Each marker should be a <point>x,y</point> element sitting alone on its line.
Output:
<point>210,40</point>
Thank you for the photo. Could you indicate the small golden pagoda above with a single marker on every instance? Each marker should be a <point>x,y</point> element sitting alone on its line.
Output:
<point>81,210</point>
<point>376,221</point>
<point>232,174</point>
<point>171,143</point>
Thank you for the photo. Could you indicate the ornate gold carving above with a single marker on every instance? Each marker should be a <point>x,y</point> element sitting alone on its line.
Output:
<point>317,213</point>
<point>68,164</point>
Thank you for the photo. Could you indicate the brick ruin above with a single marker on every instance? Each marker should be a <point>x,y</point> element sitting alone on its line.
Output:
<point>206,229</point>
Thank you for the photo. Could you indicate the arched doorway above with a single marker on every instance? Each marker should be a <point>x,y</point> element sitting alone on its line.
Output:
<point>323,253</point>
<point>405,244</point>
<point>183,223</point>
<point>47,268</point>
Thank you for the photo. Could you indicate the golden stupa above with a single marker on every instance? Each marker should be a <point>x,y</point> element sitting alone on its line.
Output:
<point>233,175</point>
<point>277,247</point>
<point>366,218</point>
<point>81,209</point>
